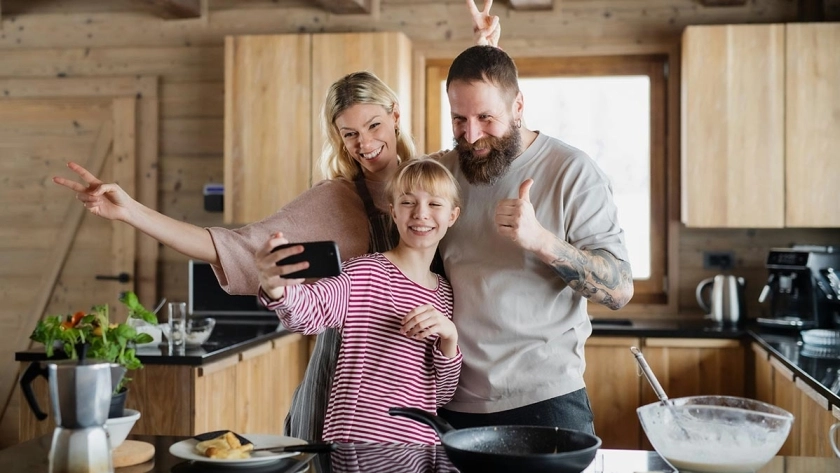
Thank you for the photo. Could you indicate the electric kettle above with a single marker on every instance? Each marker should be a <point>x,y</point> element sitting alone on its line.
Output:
<point>726,303</point>
<point>80,396</point>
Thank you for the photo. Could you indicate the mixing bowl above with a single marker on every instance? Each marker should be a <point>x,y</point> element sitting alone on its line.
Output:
<point>119,427</point>
<point>713,434</point>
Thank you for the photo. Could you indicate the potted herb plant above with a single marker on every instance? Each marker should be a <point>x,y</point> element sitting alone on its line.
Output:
<point>101,338</point>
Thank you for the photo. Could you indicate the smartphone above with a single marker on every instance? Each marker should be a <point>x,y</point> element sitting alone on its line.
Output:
<point>323,258</point>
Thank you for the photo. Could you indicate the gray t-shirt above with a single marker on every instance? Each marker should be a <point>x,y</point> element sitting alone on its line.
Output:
<point>520,328</point>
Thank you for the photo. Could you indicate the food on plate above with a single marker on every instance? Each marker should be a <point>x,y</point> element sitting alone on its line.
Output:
<point>225,446</point>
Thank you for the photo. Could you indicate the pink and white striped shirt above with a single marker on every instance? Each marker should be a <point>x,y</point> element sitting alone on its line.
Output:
<point>377,367</point>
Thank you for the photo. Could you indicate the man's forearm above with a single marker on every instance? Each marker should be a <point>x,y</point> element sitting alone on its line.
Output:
<point>597,274</point>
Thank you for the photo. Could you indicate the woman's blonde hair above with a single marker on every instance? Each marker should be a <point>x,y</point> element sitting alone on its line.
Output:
<point>356,88</point>
<point>425,174</point>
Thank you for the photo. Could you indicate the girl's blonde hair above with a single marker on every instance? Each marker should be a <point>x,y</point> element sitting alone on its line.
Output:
<point>424,174</point>
<point>356,88</point>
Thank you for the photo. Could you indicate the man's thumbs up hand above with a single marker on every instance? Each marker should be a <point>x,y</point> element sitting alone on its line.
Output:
<point>516,220</point>
<point>525,190</point>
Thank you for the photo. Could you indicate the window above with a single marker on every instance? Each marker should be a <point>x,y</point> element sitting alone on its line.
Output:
<point>613,108</point>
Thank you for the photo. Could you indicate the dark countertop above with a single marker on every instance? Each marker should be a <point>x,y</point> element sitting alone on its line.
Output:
<point>32,457</point>
<point>234,334</point>
<point>819,368</point>
<point>820,371</point>
<point>666,328</point>
<point>231,335</point>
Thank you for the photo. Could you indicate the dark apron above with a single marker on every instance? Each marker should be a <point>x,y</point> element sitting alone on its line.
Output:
<point>309,403</point>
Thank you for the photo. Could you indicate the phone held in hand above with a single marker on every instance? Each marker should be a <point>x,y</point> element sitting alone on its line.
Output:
<point>323,258</point>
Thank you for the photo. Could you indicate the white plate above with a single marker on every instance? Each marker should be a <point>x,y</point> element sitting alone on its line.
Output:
<point>185,449</point>
<point>821,337</point>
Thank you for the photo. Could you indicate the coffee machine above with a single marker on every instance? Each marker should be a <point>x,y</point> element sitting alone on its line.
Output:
<point>802,287</point>
<point>80,395</point>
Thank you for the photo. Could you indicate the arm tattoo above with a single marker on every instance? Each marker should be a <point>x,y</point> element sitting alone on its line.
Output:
<point>597,275</point>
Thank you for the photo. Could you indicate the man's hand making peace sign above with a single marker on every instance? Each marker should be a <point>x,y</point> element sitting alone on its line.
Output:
<point>486,27</point>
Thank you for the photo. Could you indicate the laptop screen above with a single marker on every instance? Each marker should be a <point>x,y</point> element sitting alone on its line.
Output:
<point>208,298</point>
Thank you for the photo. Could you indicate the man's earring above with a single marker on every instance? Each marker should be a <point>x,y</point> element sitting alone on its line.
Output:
<point>518,123</point>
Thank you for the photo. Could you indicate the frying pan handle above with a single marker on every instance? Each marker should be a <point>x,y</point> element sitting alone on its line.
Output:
<point>424,417</point>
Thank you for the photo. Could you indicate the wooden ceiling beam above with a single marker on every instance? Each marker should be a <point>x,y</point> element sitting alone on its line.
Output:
<point>723,3</point>
<point>174,9</point>
<point>531,4</point>
<point>345,7</point>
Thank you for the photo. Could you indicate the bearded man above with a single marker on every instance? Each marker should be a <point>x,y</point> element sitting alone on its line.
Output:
<point>538,238</point>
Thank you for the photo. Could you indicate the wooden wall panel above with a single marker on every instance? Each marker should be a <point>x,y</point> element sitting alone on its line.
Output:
<point>192,100</point>
<point>178,64</point>
<point>192,136</point>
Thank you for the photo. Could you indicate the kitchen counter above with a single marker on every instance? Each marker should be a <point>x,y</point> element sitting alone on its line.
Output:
<point>819,368</point>
<point>672,327</point>
<point>231,335</point>
<point>31,457</point>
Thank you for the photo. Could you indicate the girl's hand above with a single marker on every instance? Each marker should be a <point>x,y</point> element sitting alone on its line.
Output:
<point>271,280</point>
<point>486,27</point>
<point>425,321</point>
<point>104,200</point>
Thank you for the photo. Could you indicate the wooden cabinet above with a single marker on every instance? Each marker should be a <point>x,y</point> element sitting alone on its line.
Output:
<point>762,375</point>
<point>250,391</point>
<point>778,385</point>
<point>786,396</point>
<point>694,367</point>
<point>274,92</point>
<point>759,126</point>
<point>613,382</point>
<point>268,104</point>
<point>733,126</point>
<point>684,367</point>
<point>812,125</point>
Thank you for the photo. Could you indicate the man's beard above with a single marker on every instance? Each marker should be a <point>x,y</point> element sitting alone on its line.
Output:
<point>486,170</point>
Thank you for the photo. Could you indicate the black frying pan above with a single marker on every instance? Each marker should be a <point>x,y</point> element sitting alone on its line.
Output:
<point>509,448</point>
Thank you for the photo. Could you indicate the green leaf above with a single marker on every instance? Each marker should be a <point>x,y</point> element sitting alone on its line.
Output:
<point>124,332</point>
<point>136,310</point>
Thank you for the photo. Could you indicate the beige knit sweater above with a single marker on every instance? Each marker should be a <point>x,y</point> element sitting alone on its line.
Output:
<point>330,210</point>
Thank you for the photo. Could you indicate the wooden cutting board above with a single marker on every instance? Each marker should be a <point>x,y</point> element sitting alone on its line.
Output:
<point>132,452</point>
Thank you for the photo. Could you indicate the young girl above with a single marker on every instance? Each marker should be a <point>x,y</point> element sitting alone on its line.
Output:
<point>399,345</point>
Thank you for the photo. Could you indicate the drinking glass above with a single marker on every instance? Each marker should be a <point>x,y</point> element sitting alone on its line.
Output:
<point>177,323</point>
